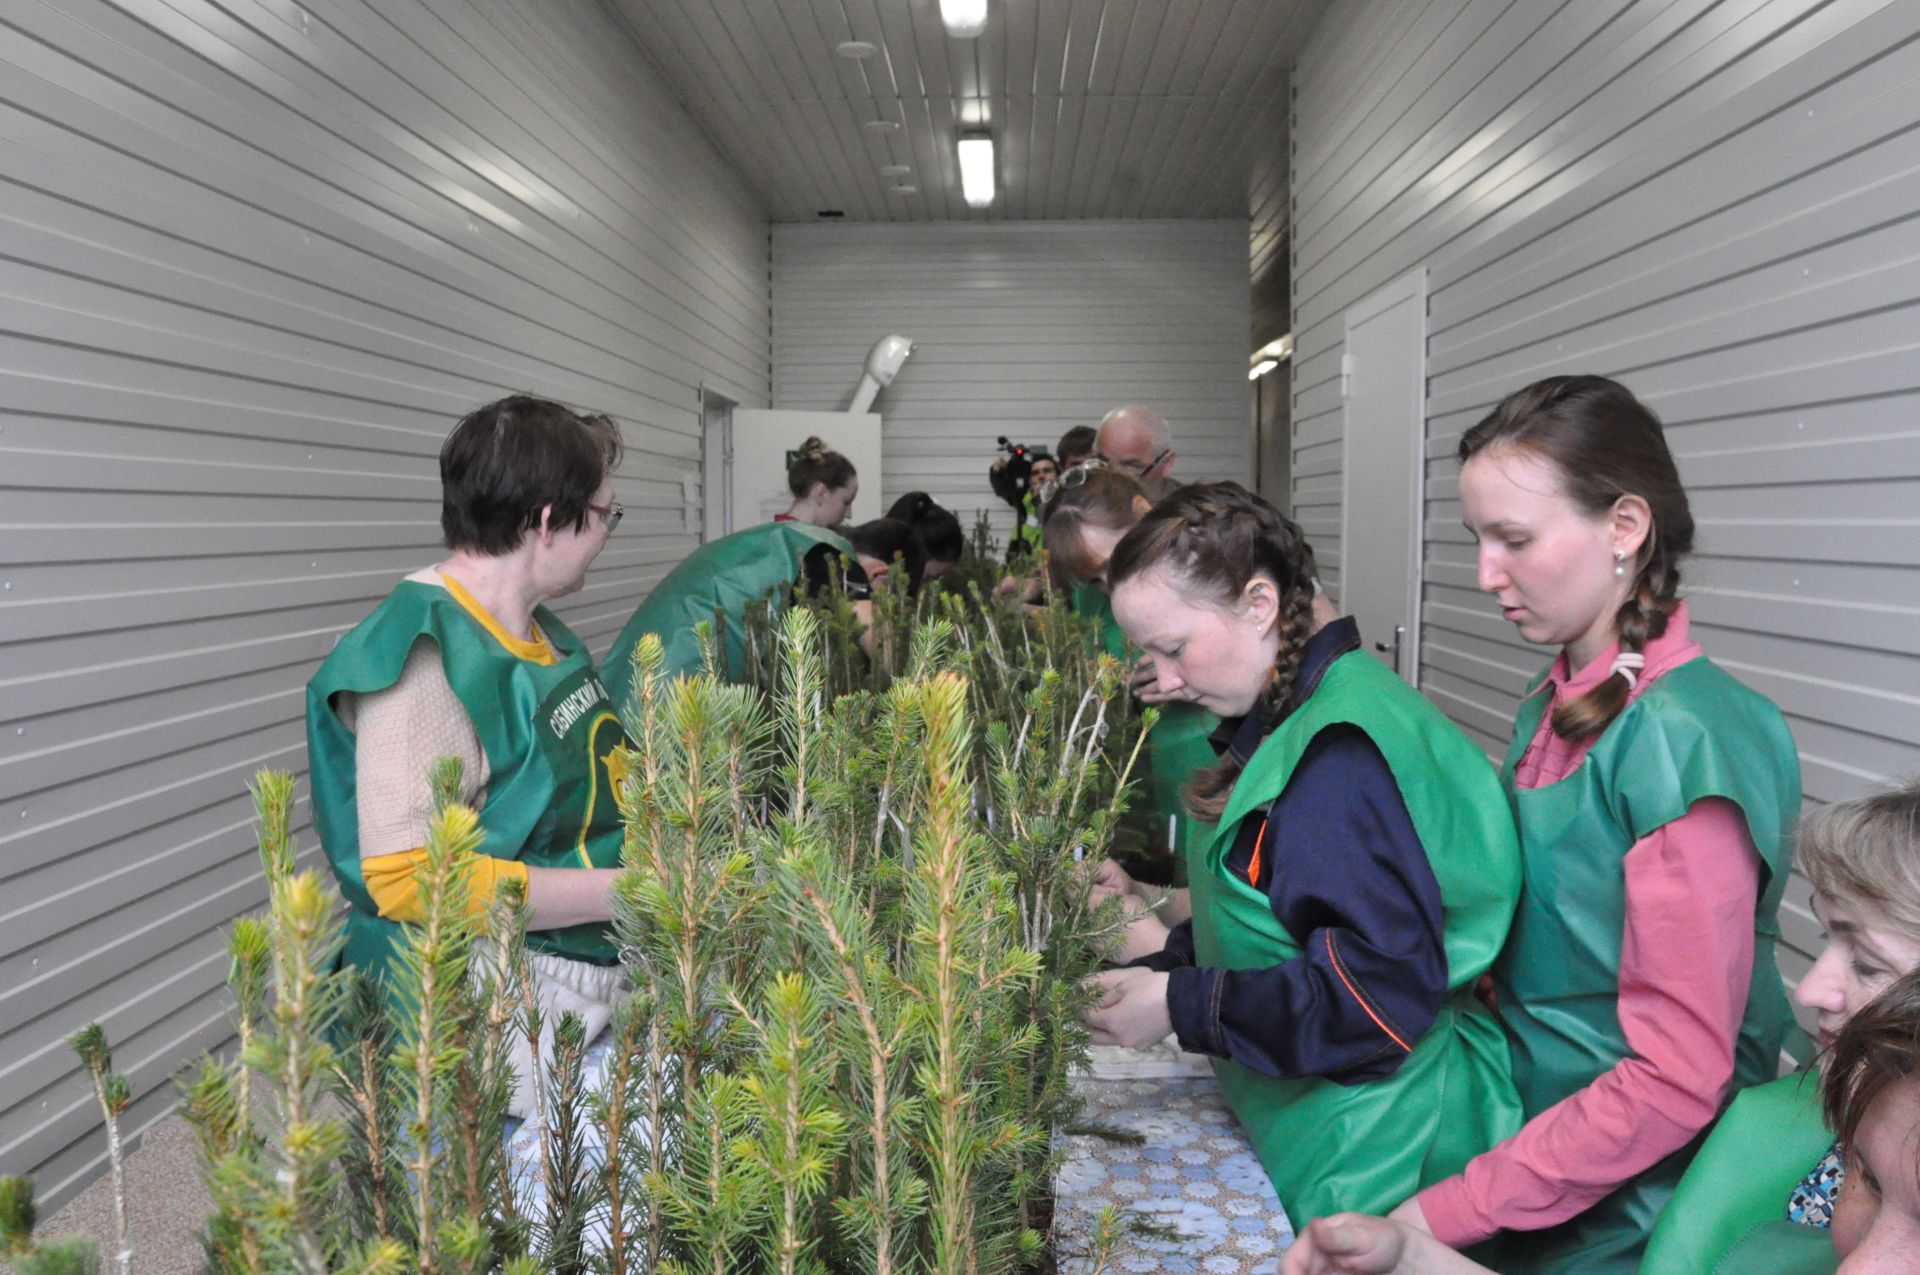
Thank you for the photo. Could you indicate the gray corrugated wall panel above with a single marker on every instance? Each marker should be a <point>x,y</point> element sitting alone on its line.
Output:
<point>1717,204</point>
<point>1022,329</point>
<point>254,261</point>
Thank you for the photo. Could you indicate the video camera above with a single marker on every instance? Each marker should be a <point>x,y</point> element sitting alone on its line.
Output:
<point>1019,467</point>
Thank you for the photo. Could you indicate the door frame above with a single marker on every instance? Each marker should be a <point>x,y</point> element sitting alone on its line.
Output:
<point>1411,286</point>
<point>716,463</point>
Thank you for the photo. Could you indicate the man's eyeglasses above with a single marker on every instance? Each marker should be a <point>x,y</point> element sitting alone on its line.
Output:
<point>610,515</point>
<point>1076,473</point>
<point>1135,468</point>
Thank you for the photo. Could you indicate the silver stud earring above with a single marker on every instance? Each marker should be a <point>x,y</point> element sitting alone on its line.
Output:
<point>1620,562</point>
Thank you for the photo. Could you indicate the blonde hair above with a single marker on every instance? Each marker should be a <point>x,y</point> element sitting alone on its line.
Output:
<point>1865,853</point>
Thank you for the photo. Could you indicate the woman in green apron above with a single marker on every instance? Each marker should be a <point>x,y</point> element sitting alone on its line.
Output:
<point>464,660</point>
<point>1092,509</point>
<point>1869,1092</point>
<point>1767,1179</point>
<point>1361,876</point>
<point>1655,797</point>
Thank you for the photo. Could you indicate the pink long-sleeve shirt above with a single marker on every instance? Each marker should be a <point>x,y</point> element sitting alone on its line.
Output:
<point>1686,959</point>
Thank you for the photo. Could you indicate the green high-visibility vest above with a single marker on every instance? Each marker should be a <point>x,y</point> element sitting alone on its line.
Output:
<point>1734,1194</point>
<point>1329,1146</point>
<point>1693,733</point>
<point>1180,743</point>
<point>548,732</point>
<point>727,575</point>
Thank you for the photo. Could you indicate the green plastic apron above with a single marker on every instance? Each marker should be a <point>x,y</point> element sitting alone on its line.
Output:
<point>725,575</point>
<point>1328,1146</point>
<point>1766,1143</point>
<point>1180,744</point>
<point>1694,733</point>
<point>548,732</point>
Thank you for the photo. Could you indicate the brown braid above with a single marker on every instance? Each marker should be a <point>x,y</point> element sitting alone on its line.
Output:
<point>1605,445</point>
<point>1215,538</point>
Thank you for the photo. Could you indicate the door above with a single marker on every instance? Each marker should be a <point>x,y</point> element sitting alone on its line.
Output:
<point>1383,376</point>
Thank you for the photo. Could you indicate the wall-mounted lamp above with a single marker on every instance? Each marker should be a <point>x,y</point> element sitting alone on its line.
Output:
<point>1261,368</point>
<point>964,19</point>
<point>1280,349</point>
<point>976,170</point>
<point>883,364</point>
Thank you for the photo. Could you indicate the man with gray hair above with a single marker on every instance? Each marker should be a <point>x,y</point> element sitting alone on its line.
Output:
<point>1136,441</point>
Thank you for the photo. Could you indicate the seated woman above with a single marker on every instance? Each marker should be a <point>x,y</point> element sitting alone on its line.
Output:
<point>1769,1173</point>
<point>464,660</point>
<point>1870,1093</point>
<point>1362,877</point>
<point>939,531</point>
<point>823,483</point>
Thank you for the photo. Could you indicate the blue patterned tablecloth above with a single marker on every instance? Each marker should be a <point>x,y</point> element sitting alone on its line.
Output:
<point>1194,1172</point>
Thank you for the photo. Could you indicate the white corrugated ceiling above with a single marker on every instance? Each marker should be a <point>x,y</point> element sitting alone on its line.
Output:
<point>1099,108</point>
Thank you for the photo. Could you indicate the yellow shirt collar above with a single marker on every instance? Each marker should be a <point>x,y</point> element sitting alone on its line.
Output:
<point>539,651</point>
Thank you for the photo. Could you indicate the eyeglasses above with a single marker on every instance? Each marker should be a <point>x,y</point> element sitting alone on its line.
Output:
<point>1135,468</point>
<point>1076,473</point>
<point>610,515</point>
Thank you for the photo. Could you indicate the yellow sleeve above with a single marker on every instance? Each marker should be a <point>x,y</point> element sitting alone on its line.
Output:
<point>393,881</point>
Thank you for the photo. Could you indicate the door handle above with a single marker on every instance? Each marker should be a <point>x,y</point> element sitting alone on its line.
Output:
<point>1399,632</point>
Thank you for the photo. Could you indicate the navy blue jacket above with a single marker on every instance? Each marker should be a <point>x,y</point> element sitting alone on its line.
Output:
<point>1341,862</point>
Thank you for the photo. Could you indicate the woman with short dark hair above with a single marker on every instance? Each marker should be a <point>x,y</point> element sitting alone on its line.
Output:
<point>464,660</point>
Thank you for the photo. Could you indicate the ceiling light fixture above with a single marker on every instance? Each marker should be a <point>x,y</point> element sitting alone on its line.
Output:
<point>976,170</point>
<point>856,49</point>
<point>895,170</point>
<point>881,126</point>
<point>964,19</point>
<point>1261,368</point>
<point>903,190</point>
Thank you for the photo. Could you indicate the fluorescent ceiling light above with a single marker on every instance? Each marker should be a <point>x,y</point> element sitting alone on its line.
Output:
<point>1261,368</point>
<point>976,171</point>
<point>964,19</point>
<point>857,50</point>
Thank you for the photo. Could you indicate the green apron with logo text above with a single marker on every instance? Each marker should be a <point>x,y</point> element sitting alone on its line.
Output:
<point>1737,1187</point>
<point>1180,743</point>
<point>1367,1146</point>
<point>548,732</point>
<point>1694,733</point>
<point>726,576</point>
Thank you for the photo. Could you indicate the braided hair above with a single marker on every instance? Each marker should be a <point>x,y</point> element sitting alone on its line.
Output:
<point>1605,445</point>
<point>1213,539</point>
<point>815,462</point>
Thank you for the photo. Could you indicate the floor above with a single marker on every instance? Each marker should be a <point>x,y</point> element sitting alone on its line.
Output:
<point>165,1206</point>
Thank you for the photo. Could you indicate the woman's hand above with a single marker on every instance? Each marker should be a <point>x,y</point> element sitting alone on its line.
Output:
<point>1355,1244</point>
<point>1146,685</point>
<point>1110,879</point>
<point>1132,1009</point>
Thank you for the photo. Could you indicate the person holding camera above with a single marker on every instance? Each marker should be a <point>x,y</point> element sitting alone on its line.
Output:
<point>1023,477</point>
